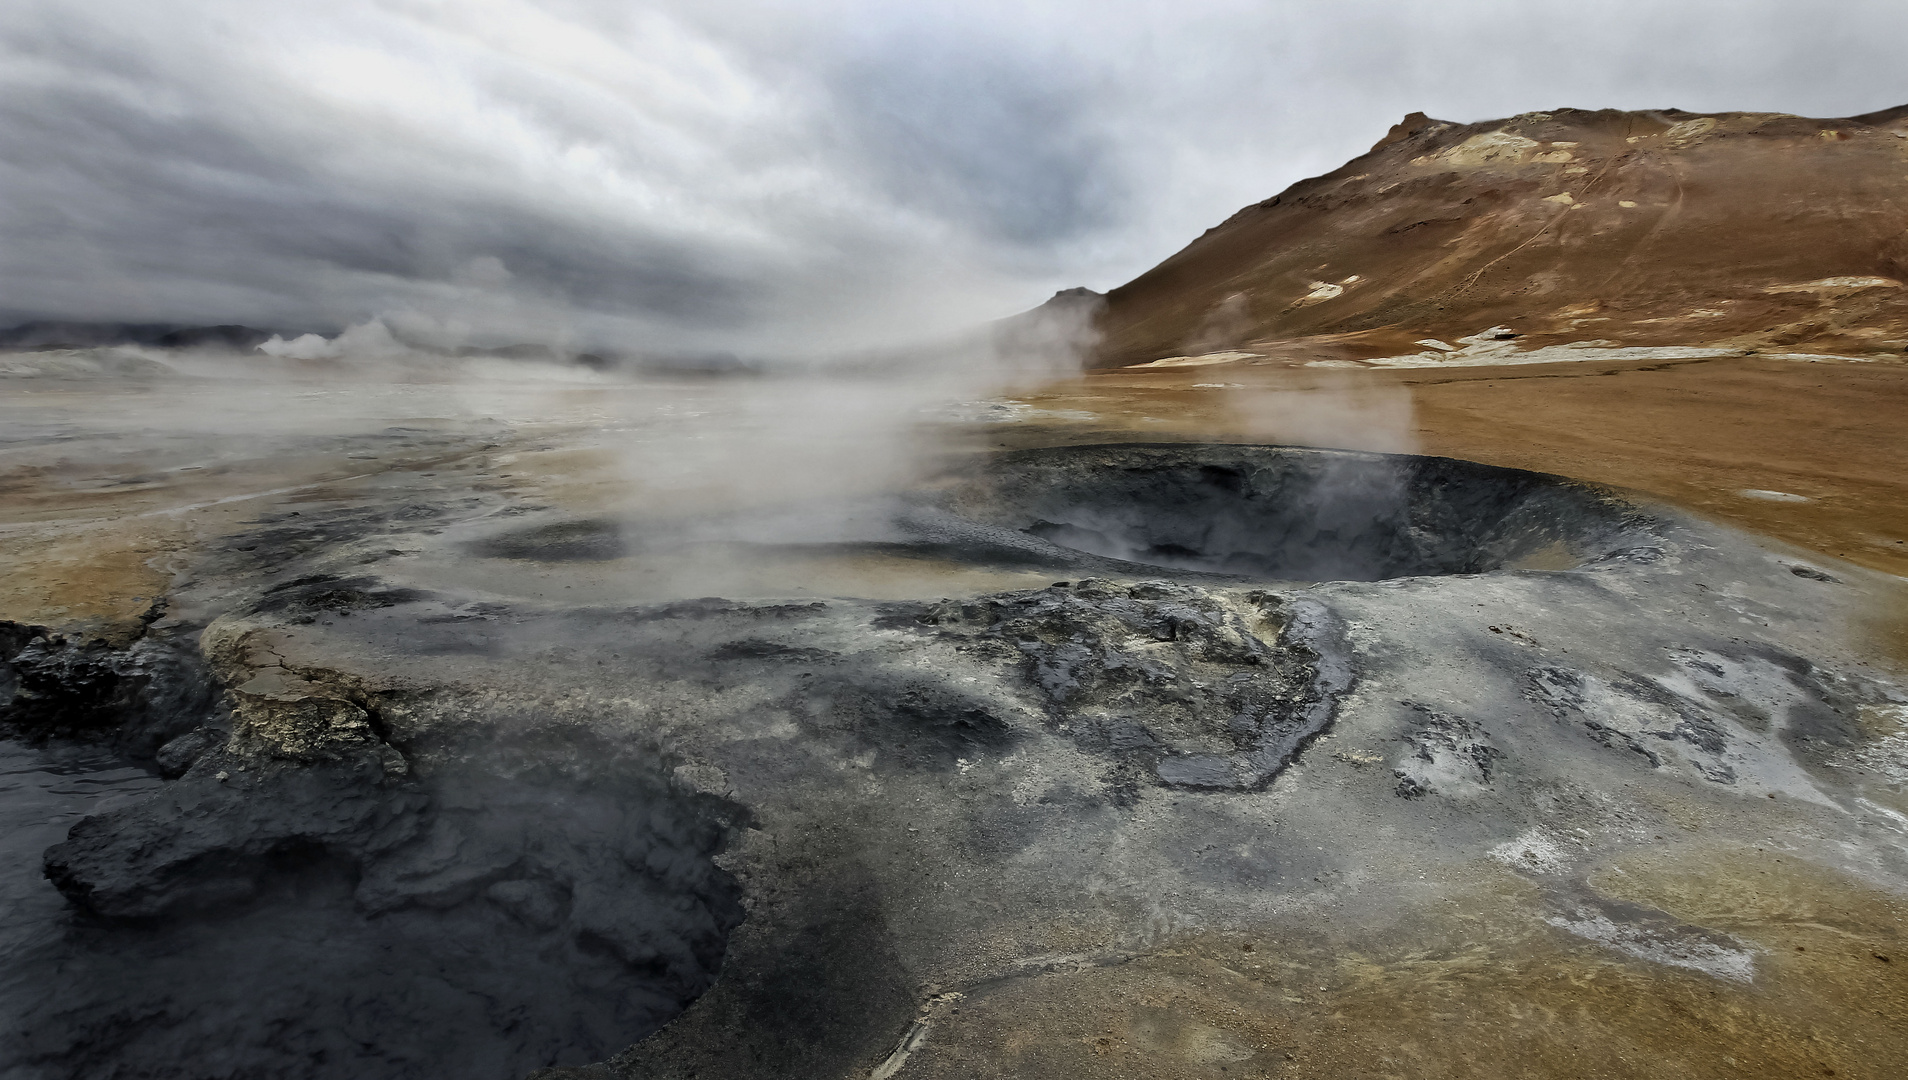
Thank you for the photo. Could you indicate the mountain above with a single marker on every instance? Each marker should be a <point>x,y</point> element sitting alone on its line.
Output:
<point>49,334</point>
<point>225,336</point>
<point>1753,230</point>
<point>46,334</point>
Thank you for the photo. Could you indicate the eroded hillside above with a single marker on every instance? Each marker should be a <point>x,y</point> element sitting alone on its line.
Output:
<point>1741,230</point>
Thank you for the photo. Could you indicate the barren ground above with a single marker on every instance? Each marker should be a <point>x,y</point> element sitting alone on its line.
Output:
<point>1011,911</point>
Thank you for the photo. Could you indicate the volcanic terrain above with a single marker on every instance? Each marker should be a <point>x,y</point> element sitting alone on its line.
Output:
<point>1449,633</point>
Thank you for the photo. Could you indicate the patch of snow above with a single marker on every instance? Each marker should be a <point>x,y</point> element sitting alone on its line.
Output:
<point>1494,338</point>
<point>1773,496</point>
<point>1202,360</point>
<point>1497,346</point>
<point>1836,284</point>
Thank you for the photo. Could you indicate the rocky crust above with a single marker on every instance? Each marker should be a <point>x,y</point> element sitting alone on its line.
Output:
<point>1179,685</point>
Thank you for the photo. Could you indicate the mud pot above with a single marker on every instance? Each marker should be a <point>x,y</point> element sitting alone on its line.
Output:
<point>1292,514</point>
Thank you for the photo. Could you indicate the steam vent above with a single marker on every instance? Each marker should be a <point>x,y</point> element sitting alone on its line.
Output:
<point>1451,625</point>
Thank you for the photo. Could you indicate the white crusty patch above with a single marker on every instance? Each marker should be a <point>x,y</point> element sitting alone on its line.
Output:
<point>1690,130</point>
<point>1887,755</point>
<point>1490,148</point>
<point>1706,953</point>
<point>1535,850</point>
<point>1835,284</point>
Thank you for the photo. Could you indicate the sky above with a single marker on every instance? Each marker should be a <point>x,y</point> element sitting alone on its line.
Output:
<point>789,177</point>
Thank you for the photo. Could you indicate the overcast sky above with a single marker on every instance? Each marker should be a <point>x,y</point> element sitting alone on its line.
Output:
<point>767,176</point>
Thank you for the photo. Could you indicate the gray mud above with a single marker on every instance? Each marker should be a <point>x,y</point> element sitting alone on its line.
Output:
<point>1289,514</point>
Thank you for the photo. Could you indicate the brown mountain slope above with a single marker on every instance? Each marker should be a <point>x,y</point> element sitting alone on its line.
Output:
<point>1753,230</point>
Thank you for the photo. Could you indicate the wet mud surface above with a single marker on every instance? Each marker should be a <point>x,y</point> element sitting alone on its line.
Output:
<point>1536,779</point>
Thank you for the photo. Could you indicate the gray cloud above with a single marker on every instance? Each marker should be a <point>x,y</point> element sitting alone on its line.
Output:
<point>983,139</point>
<point>764,175</point>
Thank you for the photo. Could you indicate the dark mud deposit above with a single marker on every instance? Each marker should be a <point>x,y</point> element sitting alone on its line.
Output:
<point>1242,512</point>
<point>404,832</point>
<point>1301,515</point>
<point>494,909</point>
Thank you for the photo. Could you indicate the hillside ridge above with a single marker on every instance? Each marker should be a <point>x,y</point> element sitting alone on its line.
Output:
<point>1743,229</point>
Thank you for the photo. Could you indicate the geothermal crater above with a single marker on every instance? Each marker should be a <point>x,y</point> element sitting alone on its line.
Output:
<point>1263,513</point>
<point>1293,514</point>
